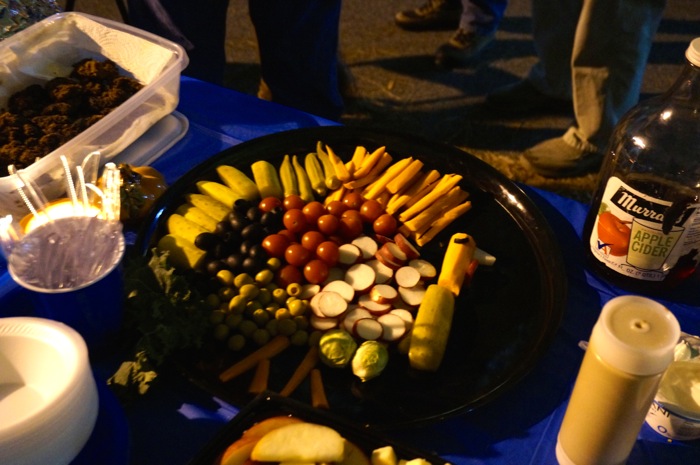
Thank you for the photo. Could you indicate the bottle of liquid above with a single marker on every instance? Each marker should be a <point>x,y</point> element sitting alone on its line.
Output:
<point>630,347</point>
<point>643,230</point>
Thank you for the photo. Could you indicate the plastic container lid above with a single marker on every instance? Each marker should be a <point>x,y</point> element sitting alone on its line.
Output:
<point>693,52</point>
<point>636,335</point>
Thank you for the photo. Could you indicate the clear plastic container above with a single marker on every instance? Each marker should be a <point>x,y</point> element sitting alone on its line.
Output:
<point>49,48</point>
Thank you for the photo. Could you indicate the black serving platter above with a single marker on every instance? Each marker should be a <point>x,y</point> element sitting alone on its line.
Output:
<point>502,324</point>
<point>268,405</point>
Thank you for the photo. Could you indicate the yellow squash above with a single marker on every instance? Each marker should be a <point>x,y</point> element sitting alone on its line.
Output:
<point>433,322</point>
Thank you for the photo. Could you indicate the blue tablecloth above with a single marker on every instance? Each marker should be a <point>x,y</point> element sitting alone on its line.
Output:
<point>174,421</point>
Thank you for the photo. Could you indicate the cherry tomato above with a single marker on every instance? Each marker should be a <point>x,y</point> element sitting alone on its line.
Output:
<point>275,245</point>
<point>316,271</point>
<point>370,210</point>
<point>352,214</point>
<point>328,252</point>
<point>350,227</point>
<point>328,224</point>
<point>353,200</point>
<point>385,225</point>
<point>336,208</point>
<point>297,255</point>
<point>311,239</point>
<point>313,211</point>
<point>293,201</point>
<point>287,275</point>
<point>269,203</point>
<point>289,235</point>
<point>294,220</point>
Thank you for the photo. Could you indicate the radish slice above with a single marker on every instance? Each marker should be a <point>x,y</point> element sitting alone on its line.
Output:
<point>342,288</point>
<point>413,296</point>
<point>407,276</point>
<point>382,272</point>
<point>405,315</point>
<point>426,269</point>
<point>396,251</point>
<point>323,324</point>
<point>374,307</point>
<point>313,305</point>
<point>367,246</point>
<point>349,254</point>
<point>331,304</point>
<point>368,329</point>
<point>385,257</point>
<point>405,245</point>
<point>352,315</point>
<point>360,276</point>
<point>383,293</point>
<point>309,290</point>
<point>393,327</point>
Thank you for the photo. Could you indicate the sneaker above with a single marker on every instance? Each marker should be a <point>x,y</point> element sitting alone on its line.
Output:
<point>462,48</point>
<point>432,15</point>
<point>554,158</point>
<point>523,97</point>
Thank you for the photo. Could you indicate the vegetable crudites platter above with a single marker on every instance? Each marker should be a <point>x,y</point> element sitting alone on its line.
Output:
<point>389,279</point>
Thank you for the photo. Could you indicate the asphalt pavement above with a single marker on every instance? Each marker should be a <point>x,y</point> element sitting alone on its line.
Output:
<point>398,87</point>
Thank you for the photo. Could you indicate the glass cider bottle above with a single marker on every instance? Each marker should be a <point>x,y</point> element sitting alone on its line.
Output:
<point>643,230</point>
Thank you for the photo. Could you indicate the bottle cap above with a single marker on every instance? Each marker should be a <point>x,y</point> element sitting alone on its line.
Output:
<point>636,335</point>
<point>693,52</point>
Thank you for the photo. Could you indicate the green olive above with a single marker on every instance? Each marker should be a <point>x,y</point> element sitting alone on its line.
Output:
<point>236,342</point>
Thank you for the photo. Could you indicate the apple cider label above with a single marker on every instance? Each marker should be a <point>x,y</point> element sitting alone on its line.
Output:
<point>644,237</point>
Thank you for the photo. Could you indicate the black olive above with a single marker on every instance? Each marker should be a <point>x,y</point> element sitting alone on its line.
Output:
<point>222,227</point>
<point>241,206</point>
<point>252,265</point>
<point>271,219</point>
<point>253,214</point>
<point>214,266</point>
<point>207,241</point>
<point>246,246</point>
<point>234,262</point>
<point>238,221</point>
<point>252,231</point>
<point>257,251</point>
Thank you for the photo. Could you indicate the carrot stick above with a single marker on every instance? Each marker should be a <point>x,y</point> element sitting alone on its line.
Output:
<point>276,345</point>
<point>307,364</point>
<point>318,393</point>
<point>262,374</point>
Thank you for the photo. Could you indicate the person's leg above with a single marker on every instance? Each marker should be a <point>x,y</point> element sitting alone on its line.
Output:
<point>477,28</point>
<point>609,56</point>
<point>608,63</point>
<point>431,15</point>
<point>200,28</point>
<point>298,44</point>
<point>547,87</point>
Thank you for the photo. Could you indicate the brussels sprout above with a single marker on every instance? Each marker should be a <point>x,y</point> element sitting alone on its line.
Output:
<point>336,348</point>
<point>370,360</point>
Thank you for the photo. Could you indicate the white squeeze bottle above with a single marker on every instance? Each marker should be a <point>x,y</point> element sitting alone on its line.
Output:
<point>630,347</point>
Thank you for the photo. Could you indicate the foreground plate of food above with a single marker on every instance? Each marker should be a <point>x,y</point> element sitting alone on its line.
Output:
<point>502,323</point>
<point>269,412</point>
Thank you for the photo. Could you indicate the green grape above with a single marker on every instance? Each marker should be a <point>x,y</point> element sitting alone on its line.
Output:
<point>233,320</point>
<point>260,336</point>
<point>221,332</point>
<point>272,327</point>
<point>247,327</point>
<point>286,326</point>
<point>264,296</point>
<point>216,317</point>
<point>236,342</point>
<point>299,338</point>
<point>261,317</point>
<point>213,301</point>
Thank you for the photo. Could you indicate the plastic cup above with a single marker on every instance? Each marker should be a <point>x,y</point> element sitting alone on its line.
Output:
<point>94,309</point>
